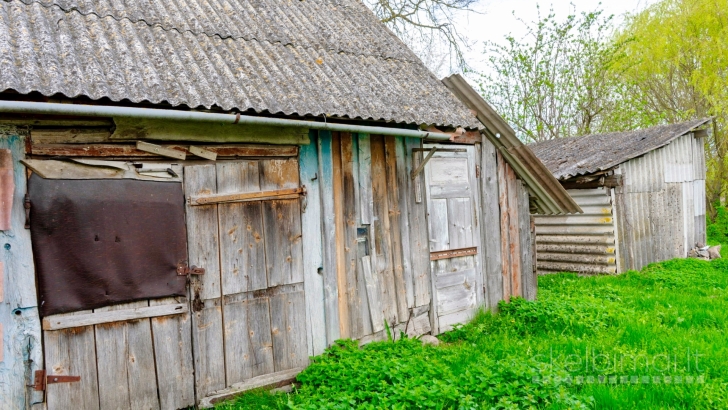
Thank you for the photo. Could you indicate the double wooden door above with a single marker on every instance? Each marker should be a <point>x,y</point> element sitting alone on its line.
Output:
<point>244,317</point>
<point>452,204</point>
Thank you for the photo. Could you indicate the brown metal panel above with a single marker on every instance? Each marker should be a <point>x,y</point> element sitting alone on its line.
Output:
<point>102,242</point>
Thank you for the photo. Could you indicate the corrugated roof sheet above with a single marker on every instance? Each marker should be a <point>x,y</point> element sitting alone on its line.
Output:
<point>569,157</point>
<point>293,57</point>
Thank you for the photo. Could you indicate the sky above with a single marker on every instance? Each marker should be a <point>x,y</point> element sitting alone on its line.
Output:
<point>496,19</point>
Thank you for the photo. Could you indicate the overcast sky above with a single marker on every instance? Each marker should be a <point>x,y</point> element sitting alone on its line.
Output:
<point>497,19</point>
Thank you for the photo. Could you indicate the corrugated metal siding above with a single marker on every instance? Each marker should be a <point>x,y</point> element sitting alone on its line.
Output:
<point>313,57</point>
<point>579,243</point>
<point>660,208</point>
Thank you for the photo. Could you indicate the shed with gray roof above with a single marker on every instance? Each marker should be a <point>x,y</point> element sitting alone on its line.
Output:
<point>642,193</point>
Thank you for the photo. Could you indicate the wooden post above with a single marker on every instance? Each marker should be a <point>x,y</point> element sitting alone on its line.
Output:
<point>7,188</point>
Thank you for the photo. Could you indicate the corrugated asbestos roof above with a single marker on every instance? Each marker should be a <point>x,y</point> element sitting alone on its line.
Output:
<point>569,157</point>
<point>294,57</point>
<point>548,194</point>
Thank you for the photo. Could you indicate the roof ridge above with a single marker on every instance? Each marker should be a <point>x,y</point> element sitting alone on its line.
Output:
<point>202,32</point>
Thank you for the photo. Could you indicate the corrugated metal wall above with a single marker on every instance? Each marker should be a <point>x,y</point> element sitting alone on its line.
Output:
<point>583,243</point>
<point>661,206</point>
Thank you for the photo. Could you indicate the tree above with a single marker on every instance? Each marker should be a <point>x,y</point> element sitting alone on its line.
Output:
<point>428,27</point>
<point>678,70</point>
<point>557,81</point>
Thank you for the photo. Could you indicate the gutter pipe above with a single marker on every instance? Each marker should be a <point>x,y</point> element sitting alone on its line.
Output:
<point>29,107</point>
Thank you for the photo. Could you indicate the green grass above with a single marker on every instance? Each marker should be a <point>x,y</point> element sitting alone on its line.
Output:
<point>667,320</point>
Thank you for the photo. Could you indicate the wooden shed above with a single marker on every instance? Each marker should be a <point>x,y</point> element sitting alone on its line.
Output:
<point>198,196</point>
<point>643,196</point>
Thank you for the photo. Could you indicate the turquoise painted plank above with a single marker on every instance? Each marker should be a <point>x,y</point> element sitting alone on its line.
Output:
<point>313,282</point>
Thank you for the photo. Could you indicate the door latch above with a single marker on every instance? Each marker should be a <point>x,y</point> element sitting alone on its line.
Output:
<point>184,270</point>
<point>42,380</point>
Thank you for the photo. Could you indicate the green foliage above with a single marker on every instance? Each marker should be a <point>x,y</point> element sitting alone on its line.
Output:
<point>717,228</point>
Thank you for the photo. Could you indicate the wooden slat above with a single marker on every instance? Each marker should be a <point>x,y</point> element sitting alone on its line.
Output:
<point>75,135</point>
<point>350,205</point>
<point>311,248</point>
<point>202,153</point>
<point>57,322</point>
<point>453,253</point>
<point>504,217</point>
<point>361,244</point>
<point>160,150</point>
<point>527,245</point>
<point>514,241</point>
<point>419,235</point>
<point>2,281</point>
<point>72,352</point>
<point>383,264</point>
<point>130,150</point>
<point>365,179</point>
<point>395,222</point>
<point>339,237</point>
<point>249,352</point>
<point>331,291</point>
<point>242,252</point>
<point>268,381</point>
<point>373,294</point>
<point>7,189</point>
<point>282,224</point>
<point>172,336</point>
<point>404,184</point>
<point>205,290</point>
<point>439,229</point>
<point>125,352</point>
<point>246,197</point>
<point>288,329</point>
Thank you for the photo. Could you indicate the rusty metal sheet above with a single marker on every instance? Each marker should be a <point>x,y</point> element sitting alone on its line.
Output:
<point>102,242</point>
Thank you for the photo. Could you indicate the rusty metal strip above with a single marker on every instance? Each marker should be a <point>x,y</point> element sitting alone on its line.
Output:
<point>247,196</point>
<point>453,253</point>
<point>41,380</point>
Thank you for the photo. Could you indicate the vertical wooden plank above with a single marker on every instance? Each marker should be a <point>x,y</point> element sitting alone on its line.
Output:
<point>2,289</point>
<point>18,312</point>
<point>350,249</point>
<point>365,179</point>
<point>528,249</point>
<point>403,183</point>
<point>395,222</point>
<point>242,251</point>
<point>459,222</point>
<point>373,294</point>
<point>383,264</point>
<point>419,239</point>
<point>72,352</point>
<point>282,221</point>
<point>439,229</point>
<point>289,337</point>
<point>125,358</point>
<point>361,243</point>
<point>249,352</point>
<point>172,336</point>
<point>514,244</point>
<point>331,289</point>
<point>503,196</point>
<point>340,238</point>
<point>7,189</point>
<point>311,247</point>
<point>205,290</point>
<point>490,225</point>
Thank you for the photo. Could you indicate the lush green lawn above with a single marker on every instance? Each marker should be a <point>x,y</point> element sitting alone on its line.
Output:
<point>657,338</point>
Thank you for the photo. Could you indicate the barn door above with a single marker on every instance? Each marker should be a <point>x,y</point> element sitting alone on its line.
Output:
<point>248,310</point>
<point>452,202</point>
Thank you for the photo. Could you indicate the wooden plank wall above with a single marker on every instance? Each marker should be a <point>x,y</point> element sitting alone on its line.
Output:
<point>21,352</point>
<point>517,246</point>
<point>375,245</point>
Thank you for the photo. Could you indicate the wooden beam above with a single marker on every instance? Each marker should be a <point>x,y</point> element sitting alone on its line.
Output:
<point>161,151</point>
<point>453,253</point>
<point>203,153</point>
<point>339,241</point>
<point>423,163</point>
<point>611,181</point>
<point>58,322</point>
<point>290,193</point>
<point>129,150</point>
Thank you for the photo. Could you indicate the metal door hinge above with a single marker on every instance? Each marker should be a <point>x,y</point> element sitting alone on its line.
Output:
<point>184,270</point>
<point>42,380</point>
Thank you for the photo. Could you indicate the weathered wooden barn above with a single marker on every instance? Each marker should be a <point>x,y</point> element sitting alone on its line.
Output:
<point>643,196</point>
<point>197,196</point>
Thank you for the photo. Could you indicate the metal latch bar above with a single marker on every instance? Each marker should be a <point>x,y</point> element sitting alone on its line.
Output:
<point>184,270</point>
<point>42,380</point>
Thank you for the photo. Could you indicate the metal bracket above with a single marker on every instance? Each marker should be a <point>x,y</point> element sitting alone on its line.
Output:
<point>42,380</point>
<point>184,270</point>
<point>26,205</point>
<point>423,163</point>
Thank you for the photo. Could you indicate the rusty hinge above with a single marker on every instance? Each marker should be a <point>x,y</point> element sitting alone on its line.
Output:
<point>42,380</point>
<point>184,270</point>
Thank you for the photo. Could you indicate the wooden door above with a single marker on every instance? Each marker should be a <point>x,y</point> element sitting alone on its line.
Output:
<point>452,202</point>
<point>248,309</point>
